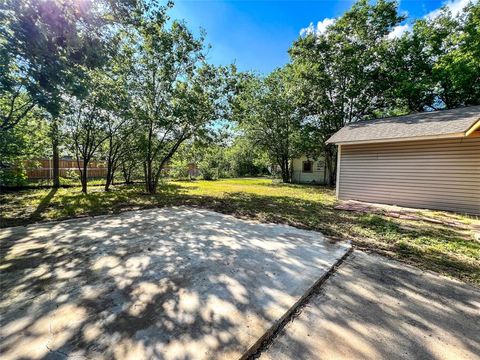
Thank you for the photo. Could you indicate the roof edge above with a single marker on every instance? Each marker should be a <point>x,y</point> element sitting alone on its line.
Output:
<point>475,126</point>
<point>410,138</point>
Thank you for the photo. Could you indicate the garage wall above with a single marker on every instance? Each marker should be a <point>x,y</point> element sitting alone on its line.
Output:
<point>437,174</point>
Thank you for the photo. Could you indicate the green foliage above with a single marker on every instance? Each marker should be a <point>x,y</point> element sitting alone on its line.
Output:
<point>213,164</point>
<point>245,159</point>
<point>47,47</point>
<point>175,93</point>
<point>437,65</point>
<point>70,174</point>
<point>266,112</point>
<point>342,75</point>
<point>123,82</point>
<point>43,48</point>
<point>13,176</point>
<point>455,46</point>
<point>19,144</point>
<point>178,169</point>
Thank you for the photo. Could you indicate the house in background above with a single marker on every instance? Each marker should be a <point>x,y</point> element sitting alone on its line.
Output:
<point>309,171</point>
<point>423,160</point>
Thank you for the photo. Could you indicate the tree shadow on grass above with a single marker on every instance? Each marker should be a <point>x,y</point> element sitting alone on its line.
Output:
<point>431,246</point>
<point>44,203</point>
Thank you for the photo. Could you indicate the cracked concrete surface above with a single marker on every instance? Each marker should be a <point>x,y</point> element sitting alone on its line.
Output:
<point>176,283</point>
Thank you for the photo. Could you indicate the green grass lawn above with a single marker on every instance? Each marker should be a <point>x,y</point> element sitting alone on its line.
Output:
<point>435,246</point>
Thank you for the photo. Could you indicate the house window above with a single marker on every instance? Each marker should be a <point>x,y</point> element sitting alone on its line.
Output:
<point>307,167</point>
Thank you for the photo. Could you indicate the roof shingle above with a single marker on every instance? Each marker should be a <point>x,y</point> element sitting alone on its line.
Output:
<point>435,123</point>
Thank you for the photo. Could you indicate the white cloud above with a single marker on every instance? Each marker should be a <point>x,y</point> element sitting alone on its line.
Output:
<point>455,6</point>
<point>308,30</point>
<point>319,29</point>
<point>399,30</point>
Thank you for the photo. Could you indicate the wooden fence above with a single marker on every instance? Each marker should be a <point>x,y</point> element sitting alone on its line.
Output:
<point>43,169</point>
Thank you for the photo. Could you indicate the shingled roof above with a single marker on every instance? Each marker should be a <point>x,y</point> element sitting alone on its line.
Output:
<point>444,123</point>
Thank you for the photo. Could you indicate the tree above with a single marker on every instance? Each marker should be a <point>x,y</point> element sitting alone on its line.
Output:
<point>88,120</point>
<point>41,52</point>
<point>341,75</point>
<point>19,146</point>
<point>213,164</point>
<point>130,162</point>
<point>410,68</point>
<point>246,159</point>
<point>120,126</point>
<point>119,133</point>
<point>450,47</point>
<point>266,111</point>
<point>47,46</point>
<point>174,95</point>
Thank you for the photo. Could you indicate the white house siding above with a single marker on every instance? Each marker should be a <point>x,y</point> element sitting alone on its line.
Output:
<point>317,176</point>
<point>436,174</point>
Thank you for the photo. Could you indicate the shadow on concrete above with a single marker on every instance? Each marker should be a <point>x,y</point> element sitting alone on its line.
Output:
<point>164,284</point>
<point>374,308</point>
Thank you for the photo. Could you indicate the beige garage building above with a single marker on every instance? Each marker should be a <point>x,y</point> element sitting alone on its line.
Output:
<point>424,160</point>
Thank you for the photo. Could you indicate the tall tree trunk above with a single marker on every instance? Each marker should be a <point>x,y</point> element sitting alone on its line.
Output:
<point>145,175</point>
<point>285,170</point>
<point>84,177</point>
<point>331,164</point>
<point>110,171</point>
<point>151,189</point>
<point>149,177</point>
<point>127,174</point>
<point>110,175</point>
<point>108,178</point>
<point>149,186</point>
<point>109,165</point>
<point>55,154</point>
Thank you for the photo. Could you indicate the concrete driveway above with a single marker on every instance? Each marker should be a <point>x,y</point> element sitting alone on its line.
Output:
<point>165,283</point>
<point>376,308</point>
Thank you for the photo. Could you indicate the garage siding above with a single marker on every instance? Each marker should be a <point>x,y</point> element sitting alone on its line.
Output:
<point>437,174</point>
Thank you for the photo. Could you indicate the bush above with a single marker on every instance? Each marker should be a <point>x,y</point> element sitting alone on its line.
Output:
<point>209,173</point>
<point>178,169</point>
<point>213,165</point>
<point>13,176</point>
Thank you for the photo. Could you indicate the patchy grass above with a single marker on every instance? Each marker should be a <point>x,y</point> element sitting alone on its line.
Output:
<point>435,246</point>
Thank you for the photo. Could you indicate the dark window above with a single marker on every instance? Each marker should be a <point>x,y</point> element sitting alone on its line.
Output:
<point>307,167</point>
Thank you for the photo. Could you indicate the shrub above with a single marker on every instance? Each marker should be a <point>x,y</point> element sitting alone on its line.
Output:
<point>13,176</point>
<point>209,173</point>
<point>178,169</point>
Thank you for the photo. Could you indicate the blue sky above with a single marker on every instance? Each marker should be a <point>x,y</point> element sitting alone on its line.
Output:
<point>257,34</point>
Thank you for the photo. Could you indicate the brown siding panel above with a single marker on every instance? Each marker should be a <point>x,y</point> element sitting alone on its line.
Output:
<point>437,174</point>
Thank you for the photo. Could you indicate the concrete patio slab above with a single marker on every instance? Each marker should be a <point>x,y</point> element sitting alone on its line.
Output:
<point>175,283</point>
<point>376,308</point>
